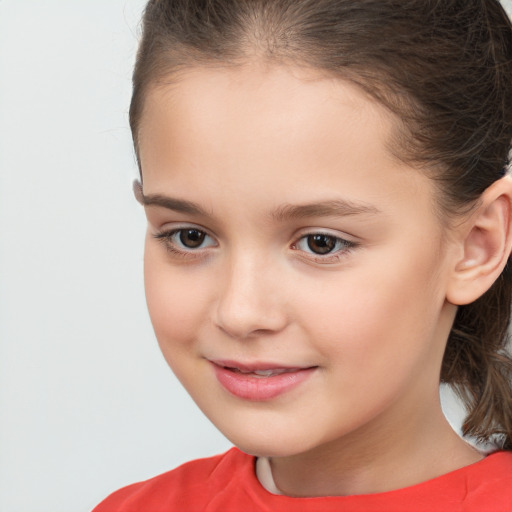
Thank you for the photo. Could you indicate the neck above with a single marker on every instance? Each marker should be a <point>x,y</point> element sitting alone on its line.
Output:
<point>376,459</point>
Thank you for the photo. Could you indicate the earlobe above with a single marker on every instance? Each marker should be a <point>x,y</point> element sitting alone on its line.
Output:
<point>486,245</point>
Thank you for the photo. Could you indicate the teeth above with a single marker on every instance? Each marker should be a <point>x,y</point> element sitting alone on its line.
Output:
<point>263,373</point>
<point>267,373</point>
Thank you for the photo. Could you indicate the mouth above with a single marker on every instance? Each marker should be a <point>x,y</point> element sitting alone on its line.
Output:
<point>260,381</point>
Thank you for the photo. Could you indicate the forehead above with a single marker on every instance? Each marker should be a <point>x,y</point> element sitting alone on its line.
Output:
<point>275,107</point>
<point>270,132</point>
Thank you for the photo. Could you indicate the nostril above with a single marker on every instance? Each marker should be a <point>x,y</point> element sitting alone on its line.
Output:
<point>245,328</point>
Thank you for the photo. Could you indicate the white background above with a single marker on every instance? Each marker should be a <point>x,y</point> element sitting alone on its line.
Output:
<point>87,403</point>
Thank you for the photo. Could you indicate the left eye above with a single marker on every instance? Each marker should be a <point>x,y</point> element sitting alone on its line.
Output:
<point>321,243</point>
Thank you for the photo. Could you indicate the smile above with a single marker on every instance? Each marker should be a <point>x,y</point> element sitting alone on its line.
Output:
<point>259,382</point>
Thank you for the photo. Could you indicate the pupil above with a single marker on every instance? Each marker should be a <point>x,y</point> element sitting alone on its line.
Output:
<point>191,238</point>
<point>321,244</point>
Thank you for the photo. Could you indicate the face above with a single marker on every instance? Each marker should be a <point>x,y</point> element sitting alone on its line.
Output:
<point>295,272</point>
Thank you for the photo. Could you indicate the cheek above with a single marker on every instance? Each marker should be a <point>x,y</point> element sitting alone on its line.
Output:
<point>368,316</point>
<point>176,303</point>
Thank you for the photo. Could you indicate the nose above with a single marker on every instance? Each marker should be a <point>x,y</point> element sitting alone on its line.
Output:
<point>249,303</point>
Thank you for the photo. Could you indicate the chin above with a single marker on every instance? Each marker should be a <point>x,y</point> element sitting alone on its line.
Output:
<point>268,443</point>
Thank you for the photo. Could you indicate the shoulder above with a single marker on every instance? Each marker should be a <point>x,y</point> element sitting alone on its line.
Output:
<point>490,482</point>
<point>484,485</point>
<point>188,487</point>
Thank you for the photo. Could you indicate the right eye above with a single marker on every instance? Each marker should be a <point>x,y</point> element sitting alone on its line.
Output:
<point>186,239</point>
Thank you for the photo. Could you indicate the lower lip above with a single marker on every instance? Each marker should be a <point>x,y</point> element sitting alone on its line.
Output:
<point>250,387</point>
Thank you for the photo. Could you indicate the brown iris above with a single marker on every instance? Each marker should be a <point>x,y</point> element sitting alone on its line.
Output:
<point>192,238</point>
<point>321,244</point>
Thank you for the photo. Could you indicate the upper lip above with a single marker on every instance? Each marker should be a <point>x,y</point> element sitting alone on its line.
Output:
<point>257,366</point>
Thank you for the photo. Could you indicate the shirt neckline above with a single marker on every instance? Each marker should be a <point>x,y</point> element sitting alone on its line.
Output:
<point>264,478</point>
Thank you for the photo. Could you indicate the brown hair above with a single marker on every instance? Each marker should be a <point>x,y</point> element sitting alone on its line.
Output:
<point>443,67</point>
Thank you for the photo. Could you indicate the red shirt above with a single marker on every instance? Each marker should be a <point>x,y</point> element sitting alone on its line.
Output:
<point>228,483</point>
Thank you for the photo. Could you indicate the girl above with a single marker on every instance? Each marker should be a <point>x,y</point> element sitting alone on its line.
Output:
<point>328,205</point>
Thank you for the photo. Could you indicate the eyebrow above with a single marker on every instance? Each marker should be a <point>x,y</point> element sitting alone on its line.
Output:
<point>329,208</point>
<point>177,205</point>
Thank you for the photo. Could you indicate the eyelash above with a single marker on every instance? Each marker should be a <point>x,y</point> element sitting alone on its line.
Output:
<point>343,247</point>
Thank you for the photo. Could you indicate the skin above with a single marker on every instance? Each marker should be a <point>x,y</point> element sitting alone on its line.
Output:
<point>372,317</point>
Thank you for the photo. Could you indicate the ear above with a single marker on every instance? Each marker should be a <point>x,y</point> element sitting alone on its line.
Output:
<point>137,191</point>
<point>486,243</point>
